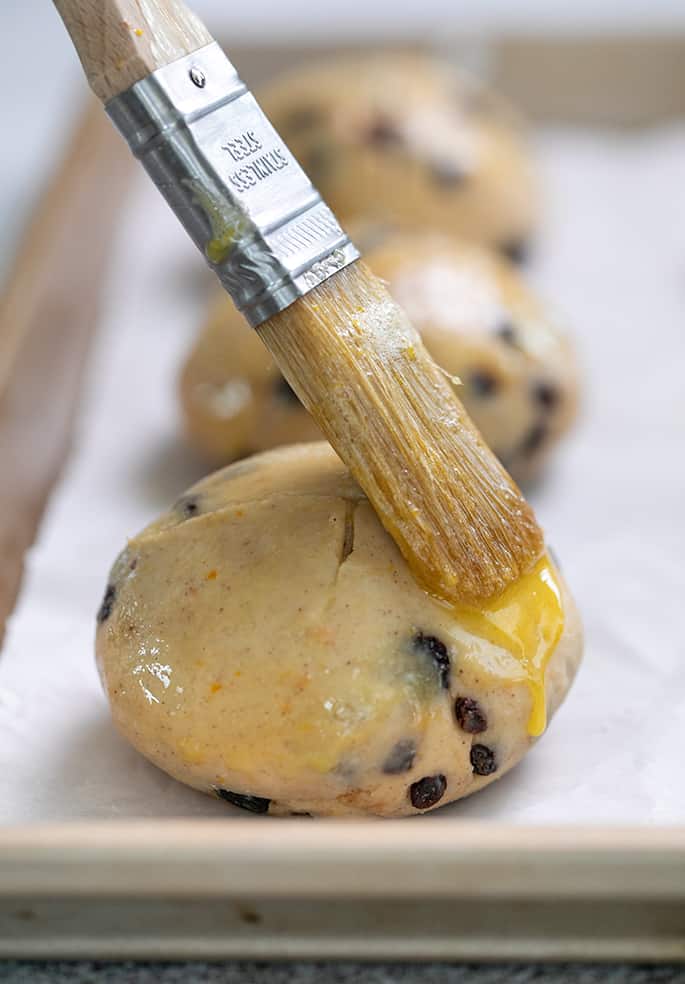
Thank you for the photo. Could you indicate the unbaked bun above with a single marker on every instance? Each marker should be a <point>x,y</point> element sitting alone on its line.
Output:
<point>478,319</point>
<point>409,140</point>
<point>264,642</point>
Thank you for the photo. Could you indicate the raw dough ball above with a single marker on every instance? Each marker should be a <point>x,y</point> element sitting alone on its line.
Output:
<point>478,320</point>
<point>264,642</point>
<point>408,139</point>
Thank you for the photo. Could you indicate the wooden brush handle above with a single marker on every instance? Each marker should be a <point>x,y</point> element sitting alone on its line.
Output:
<point>121,42</point>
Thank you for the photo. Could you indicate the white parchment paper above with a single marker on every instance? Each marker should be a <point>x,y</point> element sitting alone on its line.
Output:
<point>612,257</point>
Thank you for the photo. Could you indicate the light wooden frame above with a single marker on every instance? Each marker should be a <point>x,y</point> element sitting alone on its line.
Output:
<point>396,890</point>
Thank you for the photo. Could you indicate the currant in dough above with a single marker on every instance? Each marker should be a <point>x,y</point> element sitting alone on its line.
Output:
<point>408,139</point>
<point>482,324</point>
<point>265,642</point>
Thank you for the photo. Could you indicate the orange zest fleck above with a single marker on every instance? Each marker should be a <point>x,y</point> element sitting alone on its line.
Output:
<point>215,688</point>
<point>138,33</point>
<point>211,576</point>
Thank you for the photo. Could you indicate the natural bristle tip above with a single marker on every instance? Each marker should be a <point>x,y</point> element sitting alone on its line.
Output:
<point>360,368</point>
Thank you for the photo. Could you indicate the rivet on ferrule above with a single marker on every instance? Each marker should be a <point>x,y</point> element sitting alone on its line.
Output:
<point>198,77</point>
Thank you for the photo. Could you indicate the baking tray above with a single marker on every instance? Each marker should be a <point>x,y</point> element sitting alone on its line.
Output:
<point>395,890</point>
<point>257,887</point>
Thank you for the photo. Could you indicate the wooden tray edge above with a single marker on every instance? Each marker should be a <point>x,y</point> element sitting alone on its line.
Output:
<point>48,315</point>
<point>414,858</point>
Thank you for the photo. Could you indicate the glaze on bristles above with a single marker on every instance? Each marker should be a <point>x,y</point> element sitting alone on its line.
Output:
<point>361,370</point>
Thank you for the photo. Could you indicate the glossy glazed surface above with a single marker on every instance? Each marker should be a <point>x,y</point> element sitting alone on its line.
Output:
<point>264,641</point>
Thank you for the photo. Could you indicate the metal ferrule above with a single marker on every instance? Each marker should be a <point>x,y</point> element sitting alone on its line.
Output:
<point>238,191</point>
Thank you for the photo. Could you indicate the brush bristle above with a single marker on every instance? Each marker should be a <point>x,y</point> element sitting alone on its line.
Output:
<point>361,370</point>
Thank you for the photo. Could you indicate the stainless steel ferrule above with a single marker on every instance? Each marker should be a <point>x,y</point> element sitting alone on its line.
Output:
<point>239,192</point>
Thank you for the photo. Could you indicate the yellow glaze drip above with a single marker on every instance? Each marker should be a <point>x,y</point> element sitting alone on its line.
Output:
<point>227,224</point>
<point>527,620</point>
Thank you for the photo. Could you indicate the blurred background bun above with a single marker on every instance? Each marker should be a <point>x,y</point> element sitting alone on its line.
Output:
<point>408,139</point>
<point>478,319</point>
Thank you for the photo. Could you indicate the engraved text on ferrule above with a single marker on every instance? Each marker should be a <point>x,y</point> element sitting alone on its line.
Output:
<point>242,146</point>
<point>257,170</point>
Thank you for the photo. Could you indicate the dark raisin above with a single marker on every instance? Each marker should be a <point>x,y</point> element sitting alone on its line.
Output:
<point>483,382</point>
<point>448,174</point>
<point>516,250</point>
<point>317,161</point>
<point>383,132</point>
<point>107,604</point>
<point>188,506</point>
<point>255,804</point>
<point>470,716</point>
<point>431,646</point>
<point>302,119</point>
<point>483,760</point>
<point>427,791</point>
<point>285,392</point>
<point>506,331</point>
<point>534,439</point>
<point>401,758</point>
<point>546,394</point>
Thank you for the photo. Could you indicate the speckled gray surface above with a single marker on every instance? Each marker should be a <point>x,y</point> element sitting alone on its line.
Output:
<point>20,972</point>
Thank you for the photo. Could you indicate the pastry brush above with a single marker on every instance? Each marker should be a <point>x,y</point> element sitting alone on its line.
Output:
<point>345,347</point>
